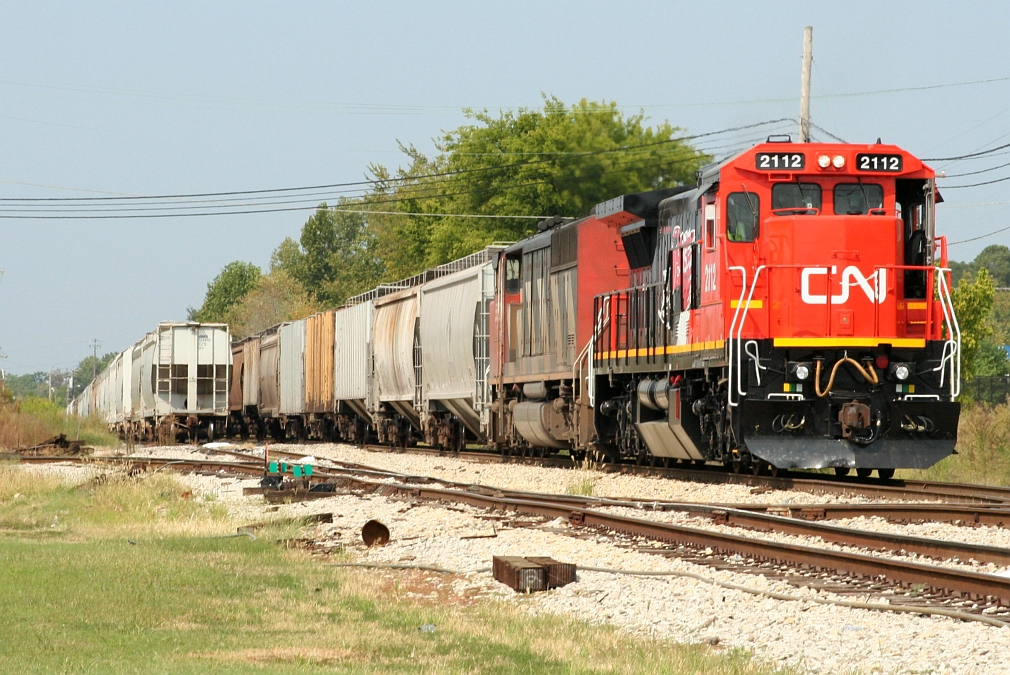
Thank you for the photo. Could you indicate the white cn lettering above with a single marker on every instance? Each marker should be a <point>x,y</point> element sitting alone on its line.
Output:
<point>876,291</point>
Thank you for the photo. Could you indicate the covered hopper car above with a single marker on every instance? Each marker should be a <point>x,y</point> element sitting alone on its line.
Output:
<point>171,385</point>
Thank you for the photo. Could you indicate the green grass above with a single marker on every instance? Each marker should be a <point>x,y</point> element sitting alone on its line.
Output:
<point>32,420</point>
<point>983,449</point>
<point>79,597</point>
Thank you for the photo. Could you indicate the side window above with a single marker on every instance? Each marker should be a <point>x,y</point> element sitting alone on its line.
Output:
<point>796,199</point>
<point>710,227</point>
<point>742,216</point>
<point>858,199</point>
<point>513,277</point>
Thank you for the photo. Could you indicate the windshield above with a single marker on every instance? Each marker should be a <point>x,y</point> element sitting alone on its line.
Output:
<point>796,199</point>
<point>854,199</point>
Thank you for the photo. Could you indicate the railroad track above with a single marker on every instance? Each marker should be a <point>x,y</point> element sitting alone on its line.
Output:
<point>896,489</point>
<point>950,586</point>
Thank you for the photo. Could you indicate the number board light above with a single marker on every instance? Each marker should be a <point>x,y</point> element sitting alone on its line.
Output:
<point>879,163</point>
<point>780,161</point>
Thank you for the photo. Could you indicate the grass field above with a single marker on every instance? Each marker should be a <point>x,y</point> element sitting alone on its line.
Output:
<point>983,449</point>
<point>133,575</point>
<point>32,420</point>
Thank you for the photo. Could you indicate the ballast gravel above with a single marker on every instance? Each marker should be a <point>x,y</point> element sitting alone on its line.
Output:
<point>806,636</point>
<point>555,480</point>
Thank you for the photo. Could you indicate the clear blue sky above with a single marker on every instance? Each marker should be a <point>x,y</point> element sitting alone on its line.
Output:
<point>137,98</point>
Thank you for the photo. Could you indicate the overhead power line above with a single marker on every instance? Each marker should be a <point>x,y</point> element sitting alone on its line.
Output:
<point>971,185</point>
<point>981,236</point>
<point>975,173</point>
<point>395,180</point>
<point>970,155</point>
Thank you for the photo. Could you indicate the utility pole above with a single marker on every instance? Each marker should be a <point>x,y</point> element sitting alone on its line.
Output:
<point>808,58</point>
<point>94,362</point>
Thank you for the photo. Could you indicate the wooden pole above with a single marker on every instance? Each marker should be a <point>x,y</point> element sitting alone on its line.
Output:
<point>808,58</point>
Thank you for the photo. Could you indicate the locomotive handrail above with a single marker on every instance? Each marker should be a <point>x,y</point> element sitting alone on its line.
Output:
<point>955,336</point>
<point>739,329</point>
<point>732,325</point>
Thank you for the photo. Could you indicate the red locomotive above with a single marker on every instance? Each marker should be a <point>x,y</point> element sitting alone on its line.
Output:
<point>791,310</point>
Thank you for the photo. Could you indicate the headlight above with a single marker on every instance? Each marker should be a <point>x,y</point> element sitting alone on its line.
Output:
<point>901,372</point>
<point>838,162</point>
<point>823,161</point>
<point>802,372</point>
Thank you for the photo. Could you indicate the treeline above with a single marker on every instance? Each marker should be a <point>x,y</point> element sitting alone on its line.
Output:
<point>516,167</point>
<point>60,385</point>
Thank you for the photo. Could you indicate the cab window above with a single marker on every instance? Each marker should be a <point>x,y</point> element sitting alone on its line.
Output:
<point>857,199</point>
<point>796,199</point>
<point>513,273</point>
<point>742,209</point>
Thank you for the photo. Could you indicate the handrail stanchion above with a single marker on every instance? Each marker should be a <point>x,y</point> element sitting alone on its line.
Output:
<point>732,326</point>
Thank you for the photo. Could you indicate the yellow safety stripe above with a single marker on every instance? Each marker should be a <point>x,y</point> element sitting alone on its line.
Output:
<point>913,343</point>
<point>916,305</point>
<point>754,304</point>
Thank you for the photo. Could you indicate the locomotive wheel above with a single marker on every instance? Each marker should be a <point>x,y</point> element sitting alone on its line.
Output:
<point>757,467</point>
<point>841,471</point>
<point>774,470</point>
<point>736,465</point>
<point>863,473</point>
<point>886,474</point>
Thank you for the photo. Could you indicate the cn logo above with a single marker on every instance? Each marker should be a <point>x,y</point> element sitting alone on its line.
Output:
<point>875,285</point>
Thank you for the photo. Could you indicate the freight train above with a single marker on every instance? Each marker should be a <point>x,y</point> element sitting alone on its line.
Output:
<point>790,310</point>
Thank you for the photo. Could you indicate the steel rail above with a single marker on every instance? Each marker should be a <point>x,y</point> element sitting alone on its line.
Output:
<point>994,514</point>
<point>898,489</point>
<point>951,580</point>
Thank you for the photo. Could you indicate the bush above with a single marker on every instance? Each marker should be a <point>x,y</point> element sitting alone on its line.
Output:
<point>31,420</point>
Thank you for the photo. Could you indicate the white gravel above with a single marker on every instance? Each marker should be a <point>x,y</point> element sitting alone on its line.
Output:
<point>807,636</point>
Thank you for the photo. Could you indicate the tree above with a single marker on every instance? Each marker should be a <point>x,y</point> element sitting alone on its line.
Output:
<point>276,298</point>
<point>973,304</point>
<point>335,257</point>
<point>556,161</point>
<point>995,259</point>
<point>234,282</point>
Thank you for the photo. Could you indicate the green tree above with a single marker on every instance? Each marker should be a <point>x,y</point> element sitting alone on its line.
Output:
<point>995,259</point>
<point>233,283</point>
<point>87,368</point>
<point>556,161</point>
<point>335,257</point>
<point>973,304</point>
<point>276,298</point>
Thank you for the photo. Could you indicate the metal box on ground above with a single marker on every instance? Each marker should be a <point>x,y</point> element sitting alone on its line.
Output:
<point>519,574</point>
<point>558,573</point>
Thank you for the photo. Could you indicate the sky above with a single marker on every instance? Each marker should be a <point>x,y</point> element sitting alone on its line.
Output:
<point>103,99</point>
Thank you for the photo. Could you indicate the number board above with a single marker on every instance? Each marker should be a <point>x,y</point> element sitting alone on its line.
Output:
<point>777,161</point>
<point>887,163</point>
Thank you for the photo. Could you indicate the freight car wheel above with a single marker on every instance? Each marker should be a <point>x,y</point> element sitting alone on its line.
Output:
<point>841,471</point>
<point>863,473</point>
<point>886,474</point>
